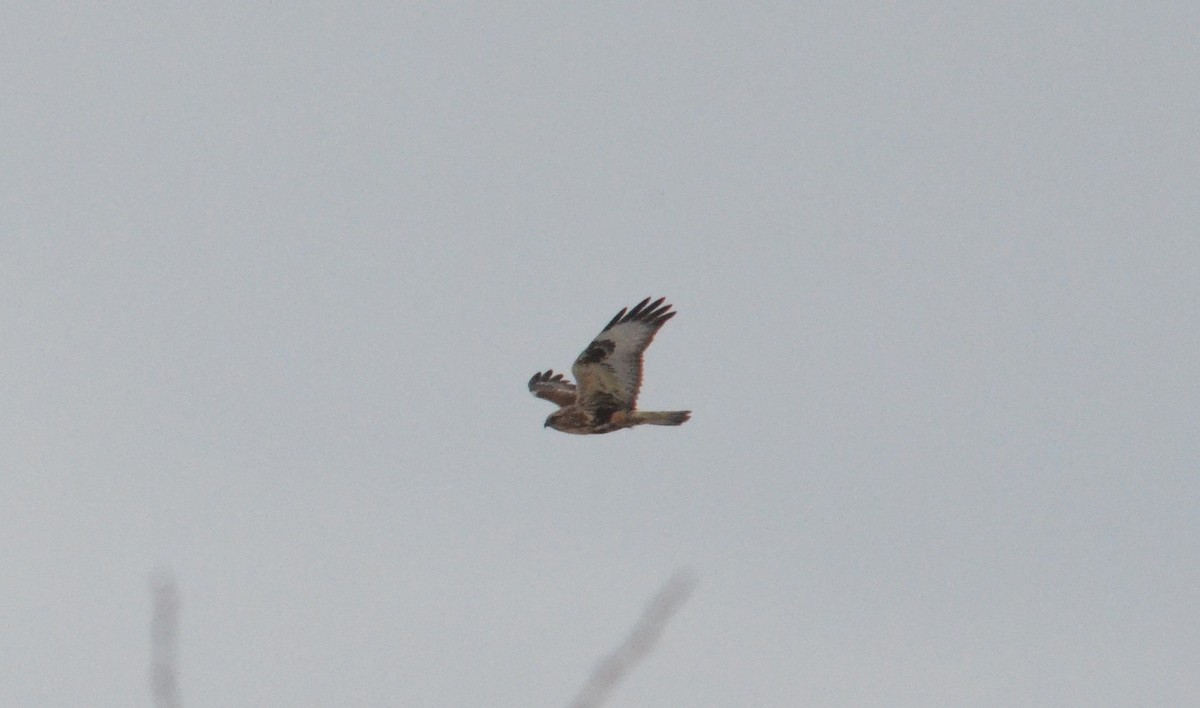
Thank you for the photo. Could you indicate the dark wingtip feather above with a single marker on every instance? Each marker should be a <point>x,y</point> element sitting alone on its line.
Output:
<point>615,319</point>
<point>637,310</point>
<point>655,313</point>
<point>547,376</point>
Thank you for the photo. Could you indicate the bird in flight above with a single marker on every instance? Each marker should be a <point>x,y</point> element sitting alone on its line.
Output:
<point>609,374</point>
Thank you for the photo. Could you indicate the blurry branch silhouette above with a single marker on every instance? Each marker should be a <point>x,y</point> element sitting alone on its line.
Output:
<point>164,632</point>
<point>612,669</point>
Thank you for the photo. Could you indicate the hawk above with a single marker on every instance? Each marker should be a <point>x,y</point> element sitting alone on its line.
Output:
<point>609,372</point>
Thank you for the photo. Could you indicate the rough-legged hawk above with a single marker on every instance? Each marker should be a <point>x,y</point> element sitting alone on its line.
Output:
<point>609,372</point>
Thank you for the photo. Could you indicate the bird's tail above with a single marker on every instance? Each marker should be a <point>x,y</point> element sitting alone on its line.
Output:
<point>662,417</point>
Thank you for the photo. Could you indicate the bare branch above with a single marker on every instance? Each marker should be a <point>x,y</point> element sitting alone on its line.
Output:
<point>612,669</point>
<point>164,631</point>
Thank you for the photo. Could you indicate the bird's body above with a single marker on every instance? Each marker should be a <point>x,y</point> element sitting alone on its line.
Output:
<point>609,375</point>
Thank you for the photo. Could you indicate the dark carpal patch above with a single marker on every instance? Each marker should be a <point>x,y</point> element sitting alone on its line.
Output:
<point>596,351</point>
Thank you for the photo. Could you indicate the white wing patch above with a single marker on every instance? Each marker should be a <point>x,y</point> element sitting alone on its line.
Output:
<point>611,366</point>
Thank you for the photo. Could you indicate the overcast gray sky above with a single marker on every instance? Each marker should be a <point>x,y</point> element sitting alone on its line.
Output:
<point>273,278</point>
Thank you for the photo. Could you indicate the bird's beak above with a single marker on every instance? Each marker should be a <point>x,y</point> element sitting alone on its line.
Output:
<point>546,424</point>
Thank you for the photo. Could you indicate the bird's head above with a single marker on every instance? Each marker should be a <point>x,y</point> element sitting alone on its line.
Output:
<point>569,420</point>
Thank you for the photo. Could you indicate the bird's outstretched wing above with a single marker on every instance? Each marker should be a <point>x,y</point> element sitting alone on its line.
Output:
<point>552,387</point>
<point>610,368</point>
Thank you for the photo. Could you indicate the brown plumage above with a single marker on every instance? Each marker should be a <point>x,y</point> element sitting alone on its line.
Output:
<point>609,375</point>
